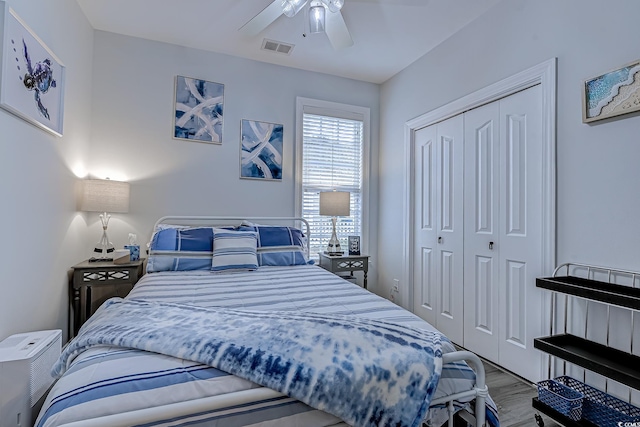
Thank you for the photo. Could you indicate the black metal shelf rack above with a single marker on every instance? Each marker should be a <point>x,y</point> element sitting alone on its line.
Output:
<point>602,359</point>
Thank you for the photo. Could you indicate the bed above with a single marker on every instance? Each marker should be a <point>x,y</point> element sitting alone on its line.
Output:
<point>113,385</point>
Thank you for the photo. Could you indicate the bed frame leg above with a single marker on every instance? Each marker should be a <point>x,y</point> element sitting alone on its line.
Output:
<point>480,388</point>
<point>451,413</point>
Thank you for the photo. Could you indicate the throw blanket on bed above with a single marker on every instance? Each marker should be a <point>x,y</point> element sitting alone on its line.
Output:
<point>367,372</point>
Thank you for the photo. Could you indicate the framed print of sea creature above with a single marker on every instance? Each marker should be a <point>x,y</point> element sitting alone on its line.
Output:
<point>612,94</point>
<point>31,76</point>
<point>198,110</point>
<point>261,150</point>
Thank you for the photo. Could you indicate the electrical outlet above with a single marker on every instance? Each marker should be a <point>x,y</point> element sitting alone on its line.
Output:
<point>396,285</point>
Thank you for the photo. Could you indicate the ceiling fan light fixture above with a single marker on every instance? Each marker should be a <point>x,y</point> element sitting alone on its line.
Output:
<point>316,19</point>
<point>335,5</point>
<point>290,8</point>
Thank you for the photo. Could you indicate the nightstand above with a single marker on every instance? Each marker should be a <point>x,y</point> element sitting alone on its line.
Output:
<point>350,263</point>
<point>106,280</point>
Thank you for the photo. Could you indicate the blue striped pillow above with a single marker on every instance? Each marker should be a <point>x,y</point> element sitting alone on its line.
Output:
<point>175,249</point>
<point>279,245</point>
<point>234,250</point>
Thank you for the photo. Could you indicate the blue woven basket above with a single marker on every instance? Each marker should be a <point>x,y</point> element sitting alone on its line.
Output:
<point>601,408</point>
<point>563,399</point>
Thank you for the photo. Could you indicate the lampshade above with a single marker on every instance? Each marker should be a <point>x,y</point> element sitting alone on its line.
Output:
<point>104,195</point>
<point>335,203</point>
<point>316,19</point>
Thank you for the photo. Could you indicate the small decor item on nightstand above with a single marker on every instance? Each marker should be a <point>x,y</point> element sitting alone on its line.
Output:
<point>134,247</point>
<point>121,256</point>
<point>354,245</point>
<point>134,252</point>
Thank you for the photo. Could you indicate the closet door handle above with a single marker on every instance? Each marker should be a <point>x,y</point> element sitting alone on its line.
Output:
<point>490,246</point>
<point>439,239</point>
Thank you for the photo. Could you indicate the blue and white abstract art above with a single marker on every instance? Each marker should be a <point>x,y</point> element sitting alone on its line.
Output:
<point>613,93</point>
<point>261,152</point>
<point>198,110</point>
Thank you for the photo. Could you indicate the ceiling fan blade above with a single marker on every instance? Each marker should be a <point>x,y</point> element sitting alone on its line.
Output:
<point>263,19</point>
<point>337,31</point>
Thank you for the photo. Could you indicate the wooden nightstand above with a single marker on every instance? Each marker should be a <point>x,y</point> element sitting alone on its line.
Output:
<point>350,263</point>
<point>109,279</point>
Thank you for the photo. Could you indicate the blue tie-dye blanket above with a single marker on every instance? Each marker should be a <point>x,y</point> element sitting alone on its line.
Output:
<point>367,372</point>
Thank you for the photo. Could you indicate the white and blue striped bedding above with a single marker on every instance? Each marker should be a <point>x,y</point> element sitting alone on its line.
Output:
<point>107,380</point>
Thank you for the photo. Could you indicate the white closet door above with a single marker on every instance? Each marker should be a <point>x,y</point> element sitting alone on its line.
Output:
<point>425,229</point>
<point>520,239</point>
<point>450,221</point>
<point>438,235</point>
<point>481,242</point>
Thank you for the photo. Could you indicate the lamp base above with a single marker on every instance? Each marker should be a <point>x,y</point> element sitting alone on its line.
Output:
<point>333,248</point>
<point>334,253</point>
<point>104,246</point>
<point>93,259</point>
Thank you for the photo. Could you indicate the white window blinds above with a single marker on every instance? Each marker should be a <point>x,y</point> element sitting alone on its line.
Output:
<point>332,158</point>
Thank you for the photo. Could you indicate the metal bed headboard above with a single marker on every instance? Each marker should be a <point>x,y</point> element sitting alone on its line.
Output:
<point>213,221</point>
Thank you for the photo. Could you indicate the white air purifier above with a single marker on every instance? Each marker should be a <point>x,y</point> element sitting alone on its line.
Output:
<point>25,375</point>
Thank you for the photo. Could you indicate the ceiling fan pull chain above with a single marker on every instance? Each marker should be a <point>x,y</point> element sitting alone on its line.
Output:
<point>305,24</point>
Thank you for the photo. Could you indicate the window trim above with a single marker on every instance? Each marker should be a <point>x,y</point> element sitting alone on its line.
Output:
<point>342,111</point>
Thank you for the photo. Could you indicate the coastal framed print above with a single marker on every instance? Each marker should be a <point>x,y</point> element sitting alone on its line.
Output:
<point>198,110</point>
<point>31,76</point>
<point>261,150</point>
<point>612,94</point>
<point>354,245</point>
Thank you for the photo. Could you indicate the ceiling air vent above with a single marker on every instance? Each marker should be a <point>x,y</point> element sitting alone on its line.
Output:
<point>278,47</point>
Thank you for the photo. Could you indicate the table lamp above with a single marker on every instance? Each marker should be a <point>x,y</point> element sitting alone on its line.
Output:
<point>104,195</point>
<point>334,204</point>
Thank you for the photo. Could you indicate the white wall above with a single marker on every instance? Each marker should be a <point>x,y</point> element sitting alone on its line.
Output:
<point>42,233</point>
<point>598,173</point>
<point>133,127</point>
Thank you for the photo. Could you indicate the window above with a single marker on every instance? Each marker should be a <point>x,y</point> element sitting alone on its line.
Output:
<point>332,154</point>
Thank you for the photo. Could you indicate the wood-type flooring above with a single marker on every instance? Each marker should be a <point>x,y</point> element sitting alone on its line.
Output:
<point>513,397</point>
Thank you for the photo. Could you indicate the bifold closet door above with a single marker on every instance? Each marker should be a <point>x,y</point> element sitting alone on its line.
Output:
<point>438,226</point>
<point>481,229</point>
<point>503,234</point>
<point>521,303</point>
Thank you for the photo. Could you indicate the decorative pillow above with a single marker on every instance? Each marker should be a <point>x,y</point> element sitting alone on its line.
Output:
<point>234,250</point>
<point>279,245</point>
<point>175,249</point>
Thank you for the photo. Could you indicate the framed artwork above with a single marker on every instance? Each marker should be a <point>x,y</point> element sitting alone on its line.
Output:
<point>31,76</point>
<point>261,150</point>
<point>198,112</point>
<point>612,94</point>
<point>354,245</point>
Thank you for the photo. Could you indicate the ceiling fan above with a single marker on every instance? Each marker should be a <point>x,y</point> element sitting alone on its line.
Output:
<point>324,16</point>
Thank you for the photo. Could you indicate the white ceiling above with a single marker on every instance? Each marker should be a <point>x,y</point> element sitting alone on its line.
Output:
<point>388,35</point>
